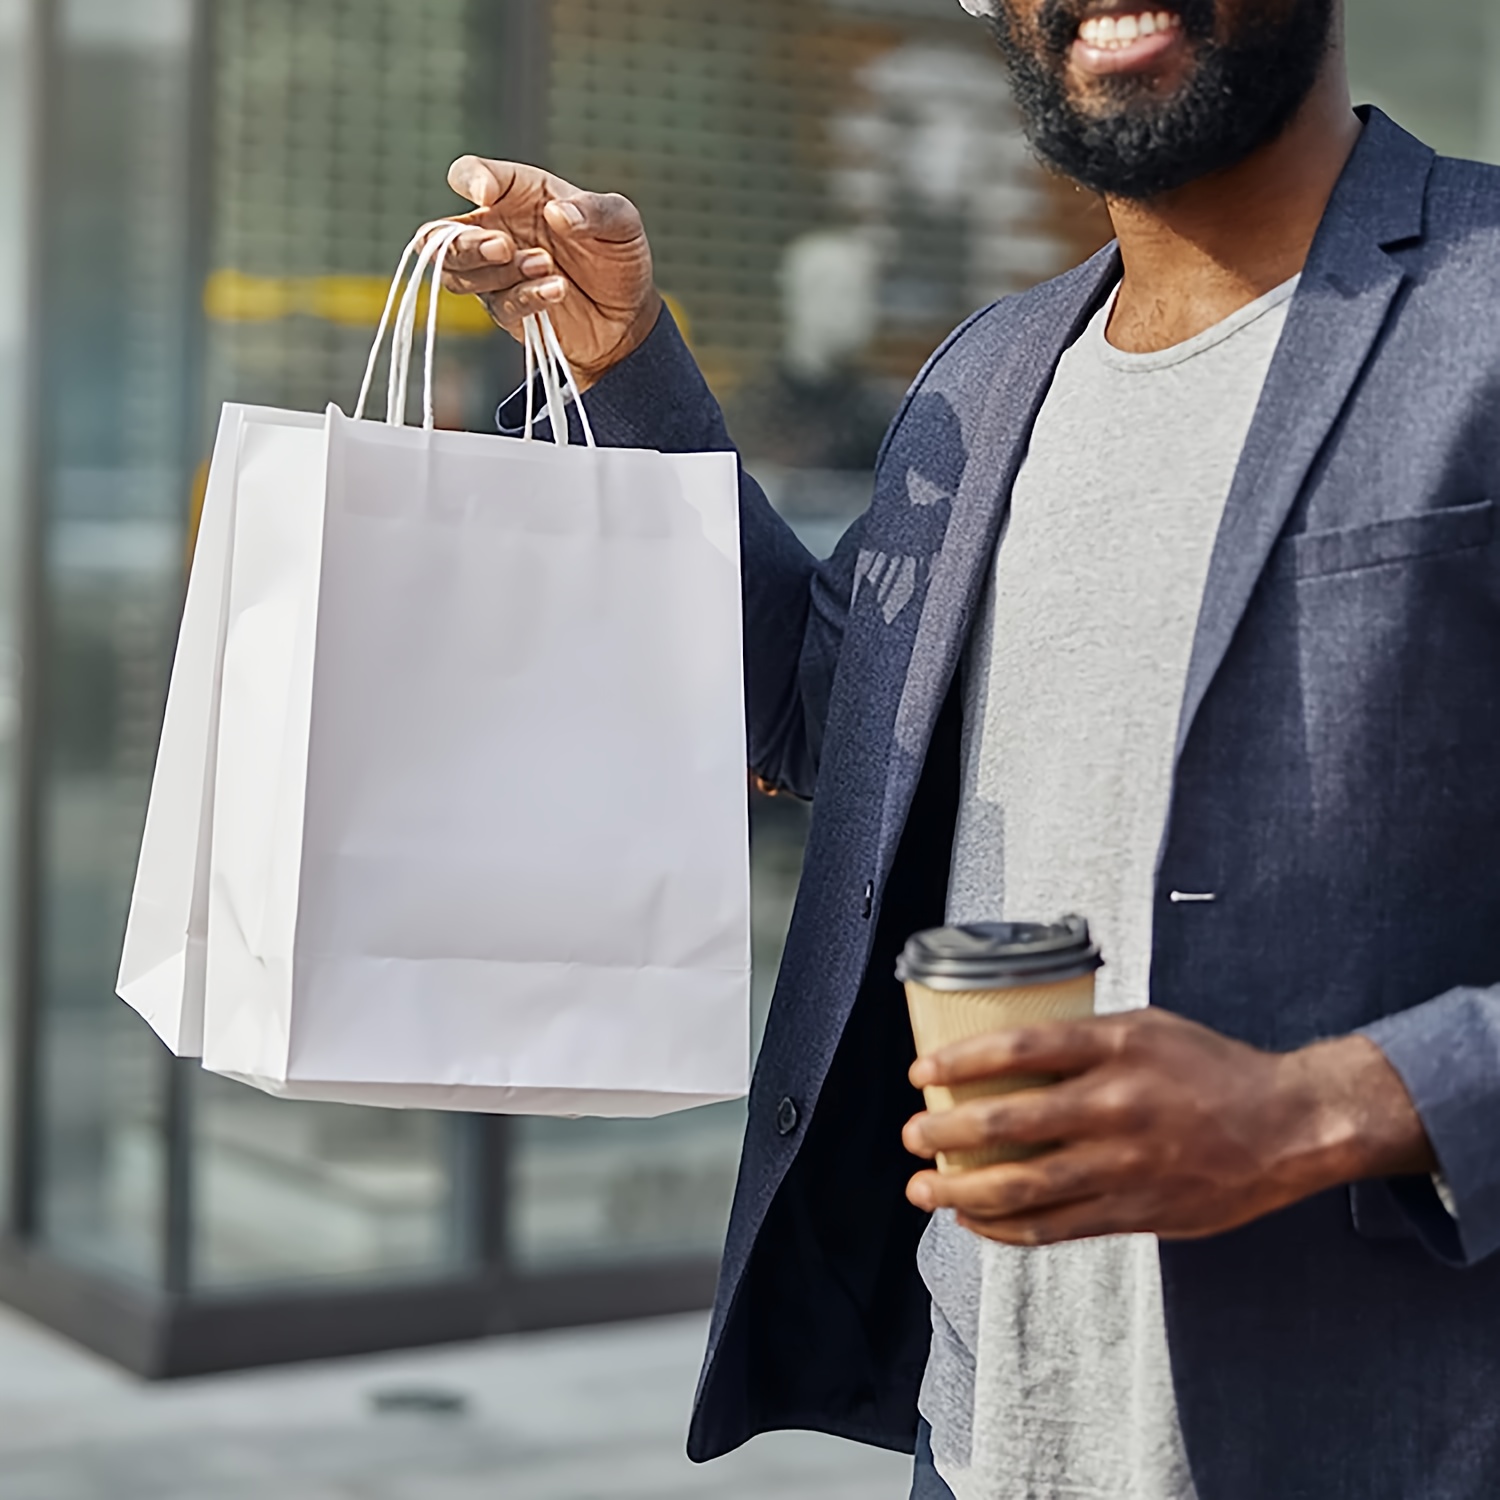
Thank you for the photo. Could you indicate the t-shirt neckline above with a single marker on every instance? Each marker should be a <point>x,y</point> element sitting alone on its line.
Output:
<point>1159,359</point>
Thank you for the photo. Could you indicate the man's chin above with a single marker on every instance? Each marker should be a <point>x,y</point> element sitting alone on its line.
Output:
<point>1135,116</point>
<point>1104,96</point>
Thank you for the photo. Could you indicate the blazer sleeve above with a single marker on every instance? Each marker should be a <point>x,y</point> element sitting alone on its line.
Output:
<point>795,607</point>
<point>1447,1053</point>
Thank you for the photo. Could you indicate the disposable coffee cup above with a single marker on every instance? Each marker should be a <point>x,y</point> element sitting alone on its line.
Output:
<point>969,981</point>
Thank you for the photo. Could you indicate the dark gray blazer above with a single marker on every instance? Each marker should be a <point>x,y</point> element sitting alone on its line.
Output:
<point>1336,787</point>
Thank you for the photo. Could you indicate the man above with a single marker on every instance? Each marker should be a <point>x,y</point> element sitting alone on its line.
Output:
<point>1178,603</point>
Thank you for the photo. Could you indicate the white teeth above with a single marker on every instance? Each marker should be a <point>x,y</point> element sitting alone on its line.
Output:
<point>1114,32</point>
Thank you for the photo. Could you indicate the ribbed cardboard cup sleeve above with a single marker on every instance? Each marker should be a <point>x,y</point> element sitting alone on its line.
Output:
<point>941,1017</point>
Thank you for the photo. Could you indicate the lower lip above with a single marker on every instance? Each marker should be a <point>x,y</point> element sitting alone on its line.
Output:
<point>1142,55</point>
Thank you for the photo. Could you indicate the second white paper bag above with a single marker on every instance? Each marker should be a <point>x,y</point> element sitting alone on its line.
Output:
<point>480,835</point>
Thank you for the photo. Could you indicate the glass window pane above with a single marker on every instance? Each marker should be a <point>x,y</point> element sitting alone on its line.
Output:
<point>1435,68</point>
<point>18,102</point>
<point>333,126</point>
<point>285,1191</point>
<point>116,492</point>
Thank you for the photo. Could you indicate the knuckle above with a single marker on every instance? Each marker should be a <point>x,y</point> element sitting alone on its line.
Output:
<point>1046,1186</point>
<point>1033,1232</point>
<point>1017,1189</point>
<point>993,1121</point>
<point>1036,1116</point>
<point>1006,1121</point>
<point>1018,1046</point>
<point>1121,1105</point>
<point>1055,1177</point>
<point>1140,1029</point>
<point>984,1192</point>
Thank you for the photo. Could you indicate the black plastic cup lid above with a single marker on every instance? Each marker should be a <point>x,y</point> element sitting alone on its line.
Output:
<point>999,955</point>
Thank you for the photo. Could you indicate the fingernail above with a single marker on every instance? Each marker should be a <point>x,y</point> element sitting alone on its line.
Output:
<point>920,1194</point>
<point>498,250</point>
<point>534,263</point>
<point>552,291</point>
<point>571,213</point>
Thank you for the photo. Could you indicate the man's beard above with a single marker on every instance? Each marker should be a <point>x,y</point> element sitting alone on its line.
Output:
<point>1238,96</point>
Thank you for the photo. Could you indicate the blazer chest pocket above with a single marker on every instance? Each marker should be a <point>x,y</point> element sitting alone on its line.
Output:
<point>1320,554</point>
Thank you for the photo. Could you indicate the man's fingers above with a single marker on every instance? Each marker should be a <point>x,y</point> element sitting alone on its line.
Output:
<point>600,216</point>
<point>1088,1219</point>
<point>513,185</point>
<point>481,181</point>
<point>1001,1192</point>
<point>1058,1047</point>
<point>481,279</point>
<point>1029,1117</point>
<point>510,307</point>
<point>481,247</point>
<point>481,283</point>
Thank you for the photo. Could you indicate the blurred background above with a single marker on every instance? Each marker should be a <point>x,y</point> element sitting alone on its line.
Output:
<point>203,200</point>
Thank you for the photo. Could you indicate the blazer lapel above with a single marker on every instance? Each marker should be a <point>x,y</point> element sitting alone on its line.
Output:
<point>1046,328</point>
<point>1346,294</point>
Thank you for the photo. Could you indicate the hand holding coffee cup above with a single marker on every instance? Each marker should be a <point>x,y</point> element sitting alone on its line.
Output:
<point>963,982</point>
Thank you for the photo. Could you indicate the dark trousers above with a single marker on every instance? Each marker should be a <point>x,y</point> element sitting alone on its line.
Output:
<point>927,1483</point>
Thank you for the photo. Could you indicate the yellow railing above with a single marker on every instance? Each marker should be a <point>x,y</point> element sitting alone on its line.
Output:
<point>231,296</point>
<point>351,301</point>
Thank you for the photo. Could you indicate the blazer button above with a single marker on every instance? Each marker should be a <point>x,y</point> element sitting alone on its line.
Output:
<point>787,1117</point>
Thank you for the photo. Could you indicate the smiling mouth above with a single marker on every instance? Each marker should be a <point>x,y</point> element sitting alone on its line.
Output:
<point>1127,41</point>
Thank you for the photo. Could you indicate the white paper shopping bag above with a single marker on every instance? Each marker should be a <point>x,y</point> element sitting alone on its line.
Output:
<point>162,964</point>
<point>480,832</point>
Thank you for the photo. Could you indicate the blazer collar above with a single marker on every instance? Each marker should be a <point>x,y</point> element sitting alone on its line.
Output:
<point>1345,295</point>
<point>1347,291</point>
<point>1046,324</point>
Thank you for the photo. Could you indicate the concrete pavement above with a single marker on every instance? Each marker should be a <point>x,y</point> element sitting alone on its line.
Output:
<point>580,1415</point>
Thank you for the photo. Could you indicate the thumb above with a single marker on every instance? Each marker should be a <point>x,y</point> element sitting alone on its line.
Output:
<point>607,216</point>
<point>481,181</point>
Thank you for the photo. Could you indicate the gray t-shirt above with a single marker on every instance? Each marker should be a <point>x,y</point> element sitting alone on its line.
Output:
<point>1049,1375</point>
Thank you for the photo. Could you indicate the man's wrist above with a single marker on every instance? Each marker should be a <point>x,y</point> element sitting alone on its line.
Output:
<point>1349,1118</point>
<point>641,327</point>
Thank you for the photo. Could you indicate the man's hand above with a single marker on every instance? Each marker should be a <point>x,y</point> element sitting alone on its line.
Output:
<point>540,244</point>
<point>1159,1126</point>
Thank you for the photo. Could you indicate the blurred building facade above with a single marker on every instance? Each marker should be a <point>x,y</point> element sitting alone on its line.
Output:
<point>201,200</point>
